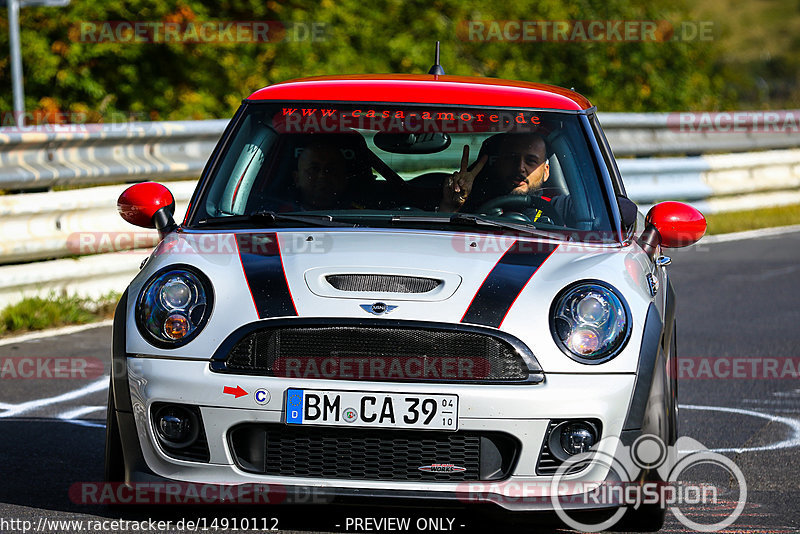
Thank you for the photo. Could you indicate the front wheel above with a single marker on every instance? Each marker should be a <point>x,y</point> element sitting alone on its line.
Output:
<point>646,518</point>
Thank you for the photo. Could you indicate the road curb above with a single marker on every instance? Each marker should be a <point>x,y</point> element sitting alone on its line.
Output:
<point>750,234</point>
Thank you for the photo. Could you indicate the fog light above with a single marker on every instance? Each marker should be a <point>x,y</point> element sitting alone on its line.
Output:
<point>572,437</point>
<point>577,438</point>
<point>176,426</point>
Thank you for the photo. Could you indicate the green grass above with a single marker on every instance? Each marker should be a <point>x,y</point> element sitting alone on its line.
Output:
<point>37,313</point>
<point>737,221</point>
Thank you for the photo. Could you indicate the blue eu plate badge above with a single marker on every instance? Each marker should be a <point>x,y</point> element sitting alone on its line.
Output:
<point>294,406</point>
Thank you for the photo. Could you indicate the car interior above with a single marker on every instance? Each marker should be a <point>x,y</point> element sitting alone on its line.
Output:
<point>262,175</point>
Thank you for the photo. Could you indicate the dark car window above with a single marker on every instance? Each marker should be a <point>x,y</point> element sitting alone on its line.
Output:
<point>325,159</point>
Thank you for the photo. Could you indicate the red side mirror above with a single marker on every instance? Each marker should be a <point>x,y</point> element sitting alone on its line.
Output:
<point>678,224</point>
<point>147,205</point>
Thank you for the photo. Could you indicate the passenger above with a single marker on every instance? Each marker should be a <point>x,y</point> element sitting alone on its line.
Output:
<point>509,164</point>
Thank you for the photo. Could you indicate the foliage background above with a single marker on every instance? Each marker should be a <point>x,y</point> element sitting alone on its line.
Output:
<point>171,81</point>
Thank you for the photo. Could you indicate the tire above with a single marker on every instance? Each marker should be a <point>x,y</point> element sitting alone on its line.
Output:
<point>650,517</point>
<point>673,436</point>
<point>646,518</point>
<point>114,461</point>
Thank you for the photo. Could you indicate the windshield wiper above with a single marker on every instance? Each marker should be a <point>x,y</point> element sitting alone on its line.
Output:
<point>478,220</point>
<point>272,217</point>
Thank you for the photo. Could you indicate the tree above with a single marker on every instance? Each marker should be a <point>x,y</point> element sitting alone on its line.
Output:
<point>80,59</point>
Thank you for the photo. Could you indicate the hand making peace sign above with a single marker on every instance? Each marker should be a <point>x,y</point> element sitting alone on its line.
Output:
<point>457,188</point>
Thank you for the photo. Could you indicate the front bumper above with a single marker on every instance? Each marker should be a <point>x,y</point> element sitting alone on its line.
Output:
<point>522,411</point>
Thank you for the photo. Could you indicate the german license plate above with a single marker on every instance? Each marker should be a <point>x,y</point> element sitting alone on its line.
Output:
<point>361,409</point>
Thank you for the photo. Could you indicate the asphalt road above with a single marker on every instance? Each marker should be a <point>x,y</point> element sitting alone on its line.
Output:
<point>736,300</point>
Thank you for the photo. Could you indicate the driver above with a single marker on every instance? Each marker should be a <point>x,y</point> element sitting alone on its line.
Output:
<point>321,178</point>
<point>508,164</point>
<point>329,175</point>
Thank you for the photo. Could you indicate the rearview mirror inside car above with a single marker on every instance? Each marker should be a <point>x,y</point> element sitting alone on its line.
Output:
<point>411,143</point>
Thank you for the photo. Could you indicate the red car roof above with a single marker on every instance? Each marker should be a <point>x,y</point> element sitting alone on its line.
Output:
<point>420,88</point>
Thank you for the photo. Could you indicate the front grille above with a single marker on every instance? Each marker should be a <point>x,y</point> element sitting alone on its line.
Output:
<point>367,454</point>
<point>376,353</point>
<point>548,464</point>
<point>382,283</point>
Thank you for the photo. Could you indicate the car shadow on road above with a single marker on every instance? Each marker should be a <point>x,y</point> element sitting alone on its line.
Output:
<point>45,462</point>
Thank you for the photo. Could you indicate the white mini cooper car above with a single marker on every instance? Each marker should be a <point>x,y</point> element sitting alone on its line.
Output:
<point>405,286</point>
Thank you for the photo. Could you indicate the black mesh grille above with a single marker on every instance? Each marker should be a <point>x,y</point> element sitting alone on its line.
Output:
<point>382,283</point>
<point>198,451</point>
<point>548,464</point>
<point>364,454</point>
<point>376,353</point>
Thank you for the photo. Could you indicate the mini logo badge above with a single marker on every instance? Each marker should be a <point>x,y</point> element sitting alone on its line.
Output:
<point>377,308</point>
<point>442,468</point>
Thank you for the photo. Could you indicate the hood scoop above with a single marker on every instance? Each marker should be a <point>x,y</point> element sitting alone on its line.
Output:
<point>382,283</point>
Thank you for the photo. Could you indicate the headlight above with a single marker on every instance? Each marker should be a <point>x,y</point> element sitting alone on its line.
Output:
<point>174,306</point>
<point>590,322</point>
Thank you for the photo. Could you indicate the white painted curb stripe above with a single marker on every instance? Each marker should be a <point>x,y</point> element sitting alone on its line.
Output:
<point>793,424</point>
<point>82,422</point>
<point>749,234</point>
<point>81,410</point>
<point>98,385</point>
<point>62,331</point>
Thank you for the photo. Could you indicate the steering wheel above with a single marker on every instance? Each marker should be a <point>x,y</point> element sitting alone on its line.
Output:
<point>515,206</point>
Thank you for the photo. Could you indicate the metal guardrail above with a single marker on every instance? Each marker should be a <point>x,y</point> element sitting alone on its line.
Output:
<point>52,224</point>
<point>36,158</point>
<point>714,170</point>
<point>85,154</point>
<point>692,134</point>
<point>56,224</point>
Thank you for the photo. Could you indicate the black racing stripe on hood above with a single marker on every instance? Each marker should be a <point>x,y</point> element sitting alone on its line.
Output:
<point>504,283</point>
<point>263,269</point>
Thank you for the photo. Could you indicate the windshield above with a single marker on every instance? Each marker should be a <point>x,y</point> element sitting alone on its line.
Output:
<point>397,165</point>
